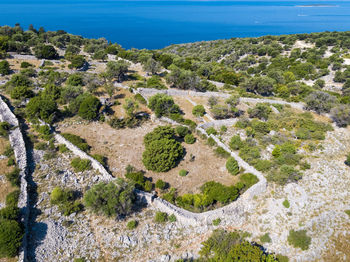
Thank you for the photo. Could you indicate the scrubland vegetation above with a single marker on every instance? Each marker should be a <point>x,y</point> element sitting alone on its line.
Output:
<point>96,83</point>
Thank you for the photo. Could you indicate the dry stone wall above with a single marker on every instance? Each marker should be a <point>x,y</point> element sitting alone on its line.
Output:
<point>175,92</point>
<point>95,164</point>
<point>19,148</point>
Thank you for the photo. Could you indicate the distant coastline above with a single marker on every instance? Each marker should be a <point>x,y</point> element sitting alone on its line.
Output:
<point>317,5</point>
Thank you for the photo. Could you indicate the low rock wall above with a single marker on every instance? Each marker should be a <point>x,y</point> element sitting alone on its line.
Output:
<point>95,164</point>
<point>19,148</point>
<point>176,92</point>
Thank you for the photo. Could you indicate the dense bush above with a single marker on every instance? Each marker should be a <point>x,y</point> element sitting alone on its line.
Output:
<point>162,151</point>
<point>183,172</point>
<point>189,139</point>
<point>112,199</point>
<point>161,217</point>
<point>77,141</point>
<point>12,198</point>
<point>45,52</point>
<point>132,224</point>
<point>198,110</point>
<point>117,69</point>
<point>20,92</point>
<point>341,115</point>
<point>11,234</point>
<point>4,129</point>
<point>261,111</point>
<point>236,143</point>
<point>232,166</point>
<point>4,68</point>
<point>43,107</point>
<point>77,61</point>
<point>163,105</point>
<point>75,80</point>
<point>299,239</point>
<point>13,177</point>
<point>231,246</point>
<point>182,131</point>
<point>248,179</point>
<point>320,102</point>
<point>160,184</point>
<point>80,165</point>
<point>89,108</point>
<point>66,200</point>
<point>9,213</point>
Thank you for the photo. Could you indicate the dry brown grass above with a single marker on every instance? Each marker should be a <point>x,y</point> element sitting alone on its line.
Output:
<point>5,186</point>
<point>125,146</point>
<point>339,248</point>
<point>3,144</point>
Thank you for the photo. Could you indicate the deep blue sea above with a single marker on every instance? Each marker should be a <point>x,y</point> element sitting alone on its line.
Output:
<point>156,24</point>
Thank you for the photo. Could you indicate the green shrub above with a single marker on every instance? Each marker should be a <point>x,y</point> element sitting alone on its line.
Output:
<point>62,148</point>
<point>281,258</point>
<point>41,146</point>
<point>50,155</point>
<point>232,166</point>
<point>9,213</point>
<point>148,186</point>
<point>347,161</point>
<point>132,224</point>
<point>220,152</point>
<point>45,52</point>
<point>163,105</point>
<point>4,67</point>
<point>261,111</point>
<point>189,139</point>
<point>231,246</point>
<point>140,99</point>
<point>11,234</point>
<point>77,141</point>
<point>172,218</point>
<point>11,161</point>
<point>299,239</point>
<point>65,200</point>
<point>286,203</point>
<point>162,152</point>
<point>80,165</point>
<point>182,131</point>
<point>198,110</point>
<point>13,177</point>
<point>183,172</point>
<point>25,64</point>
<point>161,217</point>
<point>89,108</point>
<point>265,238</point>
<point>263,165</point>
<point>347,212</point>
<point>160,184</point>
<point>216,222</point>
<point>248,179</point>
<point>220,193</point>
<point>8,151</point>
<point>4,129</point>
<point>211,141</point>
<point>12,198</point>
<point>43,107</point>
<point>112,199</point>
<point>100,158</point>
<point>211,131</point>
<point>21,92</point>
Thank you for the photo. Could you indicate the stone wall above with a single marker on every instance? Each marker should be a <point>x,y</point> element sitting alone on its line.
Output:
<point>95,164</point>
<point>176,92</point>
<point>19,148</point>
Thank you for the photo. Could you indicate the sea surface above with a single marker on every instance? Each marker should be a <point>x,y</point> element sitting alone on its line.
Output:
<point>156,24</point>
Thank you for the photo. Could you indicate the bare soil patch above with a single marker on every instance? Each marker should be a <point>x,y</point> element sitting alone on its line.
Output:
<point>125,146</point>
